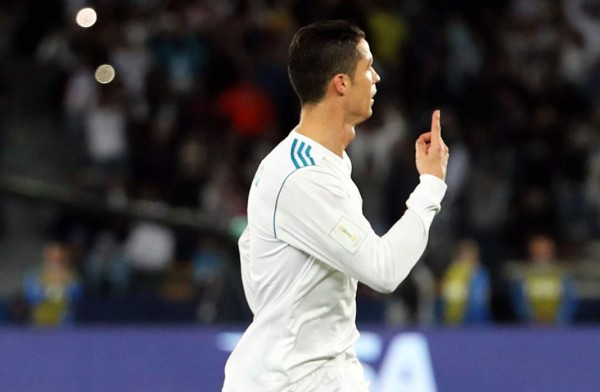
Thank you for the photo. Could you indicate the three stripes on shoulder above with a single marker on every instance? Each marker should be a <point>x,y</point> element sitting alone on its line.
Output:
<point>300,154</point>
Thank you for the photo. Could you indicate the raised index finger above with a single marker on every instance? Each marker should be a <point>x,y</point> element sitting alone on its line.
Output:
<point>436,127</point>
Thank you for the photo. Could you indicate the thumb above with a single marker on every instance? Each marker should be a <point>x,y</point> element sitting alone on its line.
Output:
<point>420,147</point>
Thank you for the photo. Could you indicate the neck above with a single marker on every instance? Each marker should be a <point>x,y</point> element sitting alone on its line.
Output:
<point>327,125</point>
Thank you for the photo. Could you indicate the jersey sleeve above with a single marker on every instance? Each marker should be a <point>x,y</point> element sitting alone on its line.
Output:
<point>244,249</point>
<point>316,215</point>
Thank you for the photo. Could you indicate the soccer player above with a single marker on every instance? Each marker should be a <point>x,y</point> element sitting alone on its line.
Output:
<point>307,243</point>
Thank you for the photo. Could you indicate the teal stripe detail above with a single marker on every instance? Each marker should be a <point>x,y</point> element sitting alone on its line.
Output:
<point>304,163</point>
<point>312,161</point>
<point>292,153</point>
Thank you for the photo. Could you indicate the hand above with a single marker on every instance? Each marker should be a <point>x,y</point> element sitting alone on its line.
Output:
<point>431,151</point>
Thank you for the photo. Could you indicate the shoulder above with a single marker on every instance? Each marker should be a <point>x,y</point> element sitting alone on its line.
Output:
<point>297,166</point>
<point>312,184</point>
<point>293,157</point>
<point>291,154</point>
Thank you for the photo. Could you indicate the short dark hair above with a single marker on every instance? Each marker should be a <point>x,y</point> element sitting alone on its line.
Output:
<point>319,51</point>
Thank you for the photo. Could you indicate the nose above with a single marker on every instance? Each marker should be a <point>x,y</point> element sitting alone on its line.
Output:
<point>377,77</point>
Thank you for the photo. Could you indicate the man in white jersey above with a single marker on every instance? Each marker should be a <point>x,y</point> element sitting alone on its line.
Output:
<point>307,243</point>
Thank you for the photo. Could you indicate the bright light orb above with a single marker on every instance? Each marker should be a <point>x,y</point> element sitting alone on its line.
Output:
<point>105,74</point>
<point>86,17</point>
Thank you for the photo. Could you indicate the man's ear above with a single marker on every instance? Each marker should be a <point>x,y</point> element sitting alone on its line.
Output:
<point>340,82</point>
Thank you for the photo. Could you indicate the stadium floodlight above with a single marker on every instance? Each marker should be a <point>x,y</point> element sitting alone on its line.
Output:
<point>86,17</point>
<point>105,73</point>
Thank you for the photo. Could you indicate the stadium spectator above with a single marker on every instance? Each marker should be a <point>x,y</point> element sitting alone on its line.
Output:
<point>465,288</point>
<point>149,246</point>
<point>53,291</point>
<point>544,293</point>
<point>209,265</point>
<point>106,269</point>
<point>106,134</point>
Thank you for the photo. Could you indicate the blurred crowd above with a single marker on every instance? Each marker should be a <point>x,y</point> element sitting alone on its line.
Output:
<point>201,94</point>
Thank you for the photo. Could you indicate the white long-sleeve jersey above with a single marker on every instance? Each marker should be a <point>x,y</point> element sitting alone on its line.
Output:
<point>306,246</point>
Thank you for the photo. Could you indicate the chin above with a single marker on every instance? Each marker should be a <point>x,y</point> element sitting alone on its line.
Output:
<point>368,114</point>
<point>361,117</point>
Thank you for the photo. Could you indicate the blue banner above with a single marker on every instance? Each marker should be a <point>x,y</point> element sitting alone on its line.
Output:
<point>192,359</point>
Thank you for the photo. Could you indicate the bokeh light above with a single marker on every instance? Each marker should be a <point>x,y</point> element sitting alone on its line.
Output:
<point>105,73</point>
<point>86,17</point>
